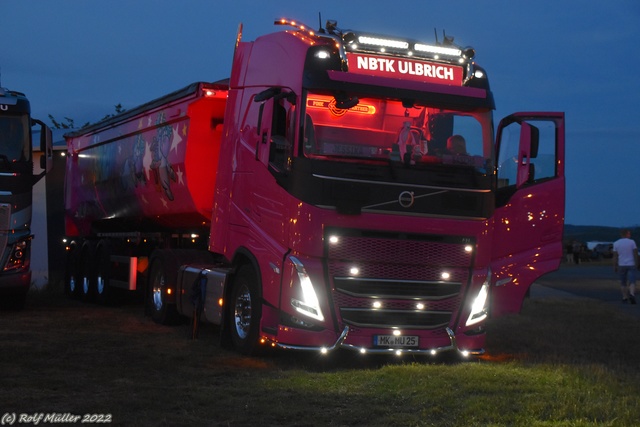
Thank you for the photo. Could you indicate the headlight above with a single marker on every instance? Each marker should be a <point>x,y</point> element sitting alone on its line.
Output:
<point>18,256</point>
<point>309,305</point>
<point>480,307</point>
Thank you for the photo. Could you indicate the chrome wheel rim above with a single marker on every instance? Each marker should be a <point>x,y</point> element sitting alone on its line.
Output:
<point>100,285</point>
<point>242,313</point>
<point>157,293</point>
<point>85,285</point>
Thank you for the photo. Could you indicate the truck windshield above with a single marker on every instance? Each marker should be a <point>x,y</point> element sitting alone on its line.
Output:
<point>14,138</point>
<point>387,129</point>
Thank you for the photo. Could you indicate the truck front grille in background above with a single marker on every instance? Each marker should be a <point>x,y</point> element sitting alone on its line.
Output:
<point>5,224</point>
<point>398,271</point>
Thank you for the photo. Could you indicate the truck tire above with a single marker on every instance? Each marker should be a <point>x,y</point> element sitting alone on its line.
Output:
<point>87,271</point>
<point>71,275</point>
<point>102,292</point>
<point>245,311</point>
<point>162,277</point>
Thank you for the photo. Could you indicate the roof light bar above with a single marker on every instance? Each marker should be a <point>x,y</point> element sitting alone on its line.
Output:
<point>375,41</point>
<point>437,49</point>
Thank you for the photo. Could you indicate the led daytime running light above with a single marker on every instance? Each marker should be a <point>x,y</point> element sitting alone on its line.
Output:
<point>479,310</point>
<point>309,306</point>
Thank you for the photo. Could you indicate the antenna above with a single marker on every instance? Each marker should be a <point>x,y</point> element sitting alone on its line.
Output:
<point>435,31</point>
<point>320,29</point>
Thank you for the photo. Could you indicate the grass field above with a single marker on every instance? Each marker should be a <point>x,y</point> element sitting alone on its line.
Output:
<point>561,362</point>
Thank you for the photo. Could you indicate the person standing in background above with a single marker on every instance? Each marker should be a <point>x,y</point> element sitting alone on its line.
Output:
<point>625,263</point>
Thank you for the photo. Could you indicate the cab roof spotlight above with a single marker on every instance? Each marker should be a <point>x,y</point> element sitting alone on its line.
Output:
<point>322,54</point>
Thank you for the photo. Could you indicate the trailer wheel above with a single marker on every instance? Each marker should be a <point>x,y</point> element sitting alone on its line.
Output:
<point>103,292</point>
<point>162,280</point>
<point>71,276</point>
<point>245,311</point>
<point>87,271</point>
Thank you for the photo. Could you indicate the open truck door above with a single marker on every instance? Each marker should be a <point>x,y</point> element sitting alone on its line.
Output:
<point>529,215</point>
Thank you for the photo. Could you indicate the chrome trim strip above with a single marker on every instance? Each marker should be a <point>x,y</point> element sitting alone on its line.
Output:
<point>399,184</point>
<point>337,344</point>
<point>340,343</point>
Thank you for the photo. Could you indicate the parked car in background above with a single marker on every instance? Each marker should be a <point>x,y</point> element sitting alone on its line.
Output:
<point>602,250</point>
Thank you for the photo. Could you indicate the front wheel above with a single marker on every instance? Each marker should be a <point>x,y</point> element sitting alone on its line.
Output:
<point>245,311</point>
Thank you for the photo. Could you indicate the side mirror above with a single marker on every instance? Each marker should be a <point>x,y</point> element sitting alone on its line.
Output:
<point>46,147</point>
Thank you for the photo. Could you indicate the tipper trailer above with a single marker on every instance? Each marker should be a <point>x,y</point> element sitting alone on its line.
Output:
<point>342,189</point>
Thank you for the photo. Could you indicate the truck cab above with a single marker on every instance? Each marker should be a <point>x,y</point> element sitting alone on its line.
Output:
<point>16,183</point>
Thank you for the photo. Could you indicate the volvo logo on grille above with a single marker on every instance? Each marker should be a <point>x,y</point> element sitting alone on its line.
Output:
<point>406,199</point>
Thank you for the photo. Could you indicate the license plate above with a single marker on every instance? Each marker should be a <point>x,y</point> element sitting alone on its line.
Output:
<point>395,341</point>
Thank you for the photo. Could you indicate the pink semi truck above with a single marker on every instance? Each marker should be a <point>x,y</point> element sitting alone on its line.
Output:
<point>342,189</point>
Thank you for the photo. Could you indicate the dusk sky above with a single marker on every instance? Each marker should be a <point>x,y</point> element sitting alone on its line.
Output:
<point>79,58</point>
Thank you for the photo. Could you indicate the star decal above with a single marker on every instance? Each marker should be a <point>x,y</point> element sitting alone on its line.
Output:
<point>146,161</point>
<point>180,174</point>
<point>176,139</point>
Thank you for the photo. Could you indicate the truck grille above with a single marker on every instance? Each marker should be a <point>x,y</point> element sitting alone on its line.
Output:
<point>398,271</point>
